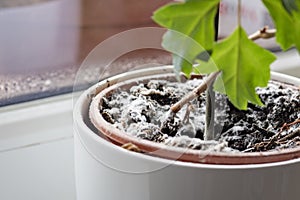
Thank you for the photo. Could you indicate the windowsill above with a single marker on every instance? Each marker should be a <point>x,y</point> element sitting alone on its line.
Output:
<point>36,150</point>
<point>287,63</point>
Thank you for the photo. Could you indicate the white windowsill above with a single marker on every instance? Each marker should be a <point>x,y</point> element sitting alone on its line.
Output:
<point>287,63</point>
<point>36,150</point>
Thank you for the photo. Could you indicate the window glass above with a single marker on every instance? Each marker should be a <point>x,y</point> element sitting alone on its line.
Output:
<point>44,42</point>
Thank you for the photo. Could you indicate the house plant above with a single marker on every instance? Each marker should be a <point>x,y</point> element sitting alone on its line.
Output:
<point>152,178</point>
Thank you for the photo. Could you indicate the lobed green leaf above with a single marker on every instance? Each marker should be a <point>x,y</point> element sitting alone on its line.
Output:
<point>286,17</point>
<point>244,66</point>
<point>194,19</point>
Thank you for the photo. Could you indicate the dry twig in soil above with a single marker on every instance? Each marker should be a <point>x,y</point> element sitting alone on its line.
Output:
<point>275,140</point>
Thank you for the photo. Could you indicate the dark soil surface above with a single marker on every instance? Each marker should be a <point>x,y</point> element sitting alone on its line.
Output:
<point>144,112</point>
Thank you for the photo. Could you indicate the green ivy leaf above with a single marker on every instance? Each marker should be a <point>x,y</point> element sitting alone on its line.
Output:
<point>296,17</point>
<point>194,19</point>
<point>286,17</point>
<point>205,64</point>
<point>184,50</point>
<point>244,66</point>
<point>182,65</point>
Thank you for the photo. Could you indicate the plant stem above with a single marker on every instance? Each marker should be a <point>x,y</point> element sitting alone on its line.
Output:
<point>209,133</point>
<point>263,33</point>
<point>239,14</point>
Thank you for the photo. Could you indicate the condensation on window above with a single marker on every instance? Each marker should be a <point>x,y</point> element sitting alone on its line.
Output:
<point>44,42</point>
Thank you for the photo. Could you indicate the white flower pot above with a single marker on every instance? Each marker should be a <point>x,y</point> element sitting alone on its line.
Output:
<point>107,171</point>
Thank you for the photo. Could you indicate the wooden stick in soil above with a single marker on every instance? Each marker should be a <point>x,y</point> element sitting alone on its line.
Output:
<point>195,93</point>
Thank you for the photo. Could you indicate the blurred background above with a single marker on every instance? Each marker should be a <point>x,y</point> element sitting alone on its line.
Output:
<point>43,42</point>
